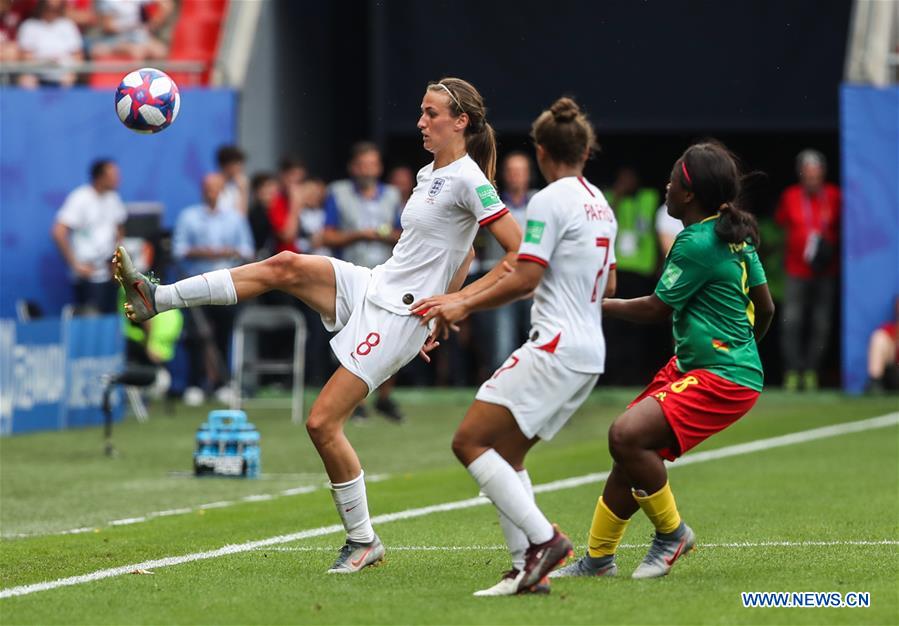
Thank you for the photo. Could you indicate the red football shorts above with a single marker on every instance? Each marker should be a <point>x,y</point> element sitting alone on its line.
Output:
<point>697,404</point>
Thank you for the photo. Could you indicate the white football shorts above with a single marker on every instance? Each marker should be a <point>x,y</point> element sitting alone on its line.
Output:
<point>371,342</point>
<point>539,391</point>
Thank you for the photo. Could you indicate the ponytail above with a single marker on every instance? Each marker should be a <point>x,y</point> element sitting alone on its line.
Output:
<point>481,146</point>
<point>735,225</point>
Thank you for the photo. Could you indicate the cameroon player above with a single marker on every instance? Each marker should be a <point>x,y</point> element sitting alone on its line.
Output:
<point>714,286</point>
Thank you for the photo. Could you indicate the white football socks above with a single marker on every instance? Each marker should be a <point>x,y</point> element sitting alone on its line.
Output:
<point>501,484</point>
<point>210,288</point>
<point>352,506</point>
<point>515,539</point>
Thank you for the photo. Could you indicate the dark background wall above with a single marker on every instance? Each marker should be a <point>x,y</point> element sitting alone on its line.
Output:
<point>760,74</point>
<point>640,66</point>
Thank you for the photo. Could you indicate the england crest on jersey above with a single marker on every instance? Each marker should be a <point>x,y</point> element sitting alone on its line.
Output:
<point>436,187</point>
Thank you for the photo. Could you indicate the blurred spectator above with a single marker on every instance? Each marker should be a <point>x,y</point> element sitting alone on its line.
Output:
<point>883,356</point>
<point>161,17</point>
<point>499,331</point>
<point>206,239</point>
<point>82,13</point>
<point>312,230</point>
<point>12,14</point>
<point>362,213</point>
<point>809,212</point>
<point>122,30</point>
<point>667,228</point>
<point>88,227</point>
<point>637,257</point>
<point>263,189</point>
<point>312,217</point>
<point>153,343</point>
<point>403,178</point>
<point>53,38</point>
<point>636,248</point>
<point>284,211</point>
<point>362,220</point>
<point>230,160</point>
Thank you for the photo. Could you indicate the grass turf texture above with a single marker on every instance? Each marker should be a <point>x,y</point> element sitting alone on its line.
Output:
<point>838,489</point>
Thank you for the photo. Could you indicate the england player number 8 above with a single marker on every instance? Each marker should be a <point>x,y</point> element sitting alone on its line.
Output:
<point>370,342</point>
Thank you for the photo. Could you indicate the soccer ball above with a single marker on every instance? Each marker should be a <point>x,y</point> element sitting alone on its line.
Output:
<point>147,100</point>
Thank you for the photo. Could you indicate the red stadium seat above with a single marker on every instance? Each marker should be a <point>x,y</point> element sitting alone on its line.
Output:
<point>196,37</point>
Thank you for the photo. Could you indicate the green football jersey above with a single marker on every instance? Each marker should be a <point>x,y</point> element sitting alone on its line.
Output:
<point>706,281</point>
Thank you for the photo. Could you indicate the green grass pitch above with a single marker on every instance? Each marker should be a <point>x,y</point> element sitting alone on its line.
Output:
<point>818,515</point>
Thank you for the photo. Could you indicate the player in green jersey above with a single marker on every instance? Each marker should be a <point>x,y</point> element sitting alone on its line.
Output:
<point>714,287</point>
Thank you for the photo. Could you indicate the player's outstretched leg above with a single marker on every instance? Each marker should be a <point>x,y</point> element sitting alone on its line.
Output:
<point>307,277</point>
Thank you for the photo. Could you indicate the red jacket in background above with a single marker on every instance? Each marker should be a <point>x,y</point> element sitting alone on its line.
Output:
<point>801,215</point>
<point>278,212</point>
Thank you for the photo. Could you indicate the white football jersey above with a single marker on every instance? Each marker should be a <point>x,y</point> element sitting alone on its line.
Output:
<point>439,222</point>
<point>571,232</point>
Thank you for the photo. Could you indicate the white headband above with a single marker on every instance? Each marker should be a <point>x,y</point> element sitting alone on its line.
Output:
<point>446,89</point>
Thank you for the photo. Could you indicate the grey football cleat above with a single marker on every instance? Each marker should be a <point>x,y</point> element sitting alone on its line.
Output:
<point>664,551</point>
<point>354,556</point>
<point>587,566</point>
<point>140,292</point>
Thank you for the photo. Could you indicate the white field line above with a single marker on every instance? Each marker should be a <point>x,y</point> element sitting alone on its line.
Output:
<point>743,448</point>
<point>728,451</point>
<point>626,546</point>
<point>127,521</point>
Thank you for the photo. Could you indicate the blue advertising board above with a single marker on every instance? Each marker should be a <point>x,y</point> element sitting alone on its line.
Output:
<point>869,134</point>
<point>51,372</point>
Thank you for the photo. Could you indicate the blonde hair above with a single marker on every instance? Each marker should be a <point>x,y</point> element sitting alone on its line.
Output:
<point>480,138</point>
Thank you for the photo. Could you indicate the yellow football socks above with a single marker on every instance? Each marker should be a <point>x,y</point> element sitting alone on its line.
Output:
<point>606,531</point>
<point>661,509</point>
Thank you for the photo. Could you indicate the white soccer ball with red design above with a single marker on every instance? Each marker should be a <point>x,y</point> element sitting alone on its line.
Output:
<point>147,100</point>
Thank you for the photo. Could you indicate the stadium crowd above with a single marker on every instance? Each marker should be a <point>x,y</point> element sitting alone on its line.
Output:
<point>60,32</point>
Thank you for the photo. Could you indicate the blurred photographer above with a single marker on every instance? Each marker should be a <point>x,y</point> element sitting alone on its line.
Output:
<point>809,213</point>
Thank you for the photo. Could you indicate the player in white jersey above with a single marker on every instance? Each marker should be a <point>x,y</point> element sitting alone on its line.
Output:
<point>568,260</point>
<point>369,309</point>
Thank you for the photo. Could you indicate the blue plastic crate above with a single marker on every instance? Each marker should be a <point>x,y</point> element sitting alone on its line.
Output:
<point>227,445</point>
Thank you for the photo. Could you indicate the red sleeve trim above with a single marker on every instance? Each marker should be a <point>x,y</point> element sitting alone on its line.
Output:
<point>533,259</point>
<point>492,218</point>
<point>613,266</point>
